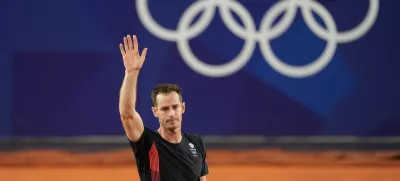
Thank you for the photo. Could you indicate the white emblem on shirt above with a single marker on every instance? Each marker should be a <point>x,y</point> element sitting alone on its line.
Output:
<point>193,150</point>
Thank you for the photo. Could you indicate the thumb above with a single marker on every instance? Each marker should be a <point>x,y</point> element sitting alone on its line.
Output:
<point>144,52</point>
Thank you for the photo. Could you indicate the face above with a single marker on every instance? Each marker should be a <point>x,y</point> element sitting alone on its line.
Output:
<point>169,110</point>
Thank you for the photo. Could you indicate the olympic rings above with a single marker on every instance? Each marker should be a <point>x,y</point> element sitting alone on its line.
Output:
<point>251,36</point>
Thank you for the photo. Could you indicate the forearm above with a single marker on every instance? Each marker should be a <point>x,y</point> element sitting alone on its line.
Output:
<point>128,94</point>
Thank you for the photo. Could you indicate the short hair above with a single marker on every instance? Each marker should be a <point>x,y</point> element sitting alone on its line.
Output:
<point>165,88</point>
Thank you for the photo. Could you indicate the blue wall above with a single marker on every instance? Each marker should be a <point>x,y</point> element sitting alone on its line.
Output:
<point>61,69</point>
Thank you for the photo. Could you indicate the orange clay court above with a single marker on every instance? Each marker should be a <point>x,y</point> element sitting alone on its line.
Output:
<point>249,165</point>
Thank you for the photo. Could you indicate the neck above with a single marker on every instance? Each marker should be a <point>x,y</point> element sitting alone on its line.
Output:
<point>172,136</point>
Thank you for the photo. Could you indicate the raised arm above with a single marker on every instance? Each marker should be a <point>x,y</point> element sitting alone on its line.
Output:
<point>131,120</point>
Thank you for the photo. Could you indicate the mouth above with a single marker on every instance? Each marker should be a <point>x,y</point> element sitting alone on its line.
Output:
<point>171,121</point>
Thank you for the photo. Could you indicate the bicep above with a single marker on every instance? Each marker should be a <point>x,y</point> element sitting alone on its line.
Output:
<point>203,178</point>
<point>133,126</point>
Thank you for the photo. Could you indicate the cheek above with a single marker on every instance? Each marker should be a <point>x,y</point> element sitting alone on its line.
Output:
<point>163,116</point>
<point>179,113</point>
<point>160,115</point>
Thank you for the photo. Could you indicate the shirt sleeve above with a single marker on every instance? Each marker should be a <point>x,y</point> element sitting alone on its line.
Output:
<point>143,144</point>
<point>204,169</point>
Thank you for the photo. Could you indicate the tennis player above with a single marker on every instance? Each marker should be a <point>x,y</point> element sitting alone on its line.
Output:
<point>167,154</point>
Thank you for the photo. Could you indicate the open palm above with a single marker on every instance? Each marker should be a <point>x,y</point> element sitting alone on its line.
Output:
<point>130,54</point>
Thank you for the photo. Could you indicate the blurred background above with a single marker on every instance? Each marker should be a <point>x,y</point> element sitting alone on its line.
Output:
<point>300,77</point>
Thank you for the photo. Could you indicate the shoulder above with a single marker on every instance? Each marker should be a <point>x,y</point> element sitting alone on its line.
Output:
<point>146,137</point>
<point>147,132</point>
<point>150,133</point>
<point>195,138</point>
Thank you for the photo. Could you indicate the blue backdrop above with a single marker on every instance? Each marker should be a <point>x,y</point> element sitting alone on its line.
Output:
<point>61,69</point>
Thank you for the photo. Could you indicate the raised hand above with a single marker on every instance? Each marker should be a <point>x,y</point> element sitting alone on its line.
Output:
<point>130,54</point>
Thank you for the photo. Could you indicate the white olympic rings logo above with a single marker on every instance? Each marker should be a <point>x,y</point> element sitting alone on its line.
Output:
<point>251,36</point>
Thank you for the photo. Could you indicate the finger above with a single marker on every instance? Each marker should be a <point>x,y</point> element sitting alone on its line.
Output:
<point>144,52</point>
<point>126,44</point>
<point>121,48</point>
<point>130,43</point>
<point>135,44</point>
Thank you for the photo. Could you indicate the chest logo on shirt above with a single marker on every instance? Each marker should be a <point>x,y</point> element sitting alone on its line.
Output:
<point>193,150</point>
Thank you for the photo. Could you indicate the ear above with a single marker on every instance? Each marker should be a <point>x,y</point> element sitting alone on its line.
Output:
<point>183,107</point>
<point>154,110</point>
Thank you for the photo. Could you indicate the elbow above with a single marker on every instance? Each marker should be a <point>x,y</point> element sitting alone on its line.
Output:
<point>127,115</point>
<point>126,112</point>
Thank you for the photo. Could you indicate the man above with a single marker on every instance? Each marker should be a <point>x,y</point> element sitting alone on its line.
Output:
<point>168,153</point>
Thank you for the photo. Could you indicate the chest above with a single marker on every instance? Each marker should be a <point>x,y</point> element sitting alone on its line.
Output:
<point>186,157</point>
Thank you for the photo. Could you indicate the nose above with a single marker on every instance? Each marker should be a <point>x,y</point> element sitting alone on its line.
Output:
<point>171,113</point>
